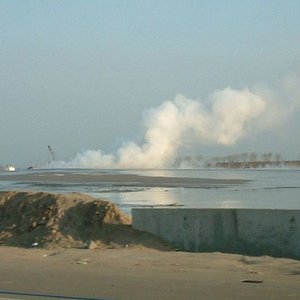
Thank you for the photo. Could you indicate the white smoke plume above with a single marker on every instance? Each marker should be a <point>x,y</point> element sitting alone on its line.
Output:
<point>224,119</point>
<point>175,122</point>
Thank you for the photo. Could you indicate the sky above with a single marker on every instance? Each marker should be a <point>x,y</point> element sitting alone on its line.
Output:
<point>103,78</point>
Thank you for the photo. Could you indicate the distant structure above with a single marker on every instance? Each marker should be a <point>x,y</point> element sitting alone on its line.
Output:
<point>51,155</point>
<point>10,168</point>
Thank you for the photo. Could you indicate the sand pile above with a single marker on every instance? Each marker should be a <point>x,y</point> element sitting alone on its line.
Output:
<point>66,220</point>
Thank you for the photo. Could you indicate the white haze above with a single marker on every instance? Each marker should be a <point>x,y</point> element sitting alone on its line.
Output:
<point>226,117</point>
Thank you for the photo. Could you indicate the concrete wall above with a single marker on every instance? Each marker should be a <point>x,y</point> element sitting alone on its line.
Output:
<point>246,231</point>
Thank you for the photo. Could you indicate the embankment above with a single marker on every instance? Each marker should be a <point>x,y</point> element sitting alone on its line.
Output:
<point>47,220</point>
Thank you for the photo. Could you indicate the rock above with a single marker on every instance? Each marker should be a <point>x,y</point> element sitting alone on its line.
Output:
<point>92,245</point>
<point>34,224</point>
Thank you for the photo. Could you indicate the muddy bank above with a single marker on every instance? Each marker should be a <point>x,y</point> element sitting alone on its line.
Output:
<point>75,220</point>
<point>123,179</point>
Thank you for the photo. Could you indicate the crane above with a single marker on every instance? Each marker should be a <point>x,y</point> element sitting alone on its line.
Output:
<point>51,156</point>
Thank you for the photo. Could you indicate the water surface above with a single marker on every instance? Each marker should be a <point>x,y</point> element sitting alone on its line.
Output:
<point>265,188</point>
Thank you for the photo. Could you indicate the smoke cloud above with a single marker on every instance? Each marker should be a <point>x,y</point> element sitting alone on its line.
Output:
<point>226,117</point>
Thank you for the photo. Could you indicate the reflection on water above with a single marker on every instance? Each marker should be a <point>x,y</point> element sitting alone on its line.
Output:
<point>266,189</point>
<point>209,198</point>
<point>142,198</point>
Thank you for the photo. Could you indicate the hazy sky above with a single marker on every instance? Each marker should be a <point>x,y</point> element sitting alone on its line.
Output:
<point>81,75</point>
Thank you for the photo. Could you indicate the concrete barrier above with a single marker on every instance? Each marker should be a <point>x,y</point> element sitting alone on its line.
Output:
<point>246,231</point>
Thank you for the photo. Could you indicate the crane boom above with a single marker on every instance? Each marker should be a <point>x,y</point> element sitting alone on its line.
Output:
<point>52,154</point>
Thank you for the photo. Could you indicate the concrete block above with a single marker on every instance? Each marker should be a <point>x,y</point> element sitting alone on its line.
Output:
<point>245,231</point>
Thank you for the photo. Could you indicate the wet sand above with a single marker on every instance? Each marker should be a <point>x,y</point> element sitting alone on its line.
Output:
<point>122,179</point>
<point>143,273</point>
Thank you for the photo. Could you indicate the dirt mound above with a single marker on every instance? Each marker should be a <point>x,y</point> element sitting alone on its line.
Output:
<point>67,220</point>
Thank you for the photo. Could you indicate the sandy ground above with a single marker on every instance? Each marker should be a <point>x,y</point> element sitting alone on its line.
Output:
<point>141,273</point>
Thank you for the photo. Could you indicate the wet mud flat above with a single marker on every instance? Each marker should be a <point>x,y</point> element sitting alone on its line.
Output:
<point>124,180</point>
